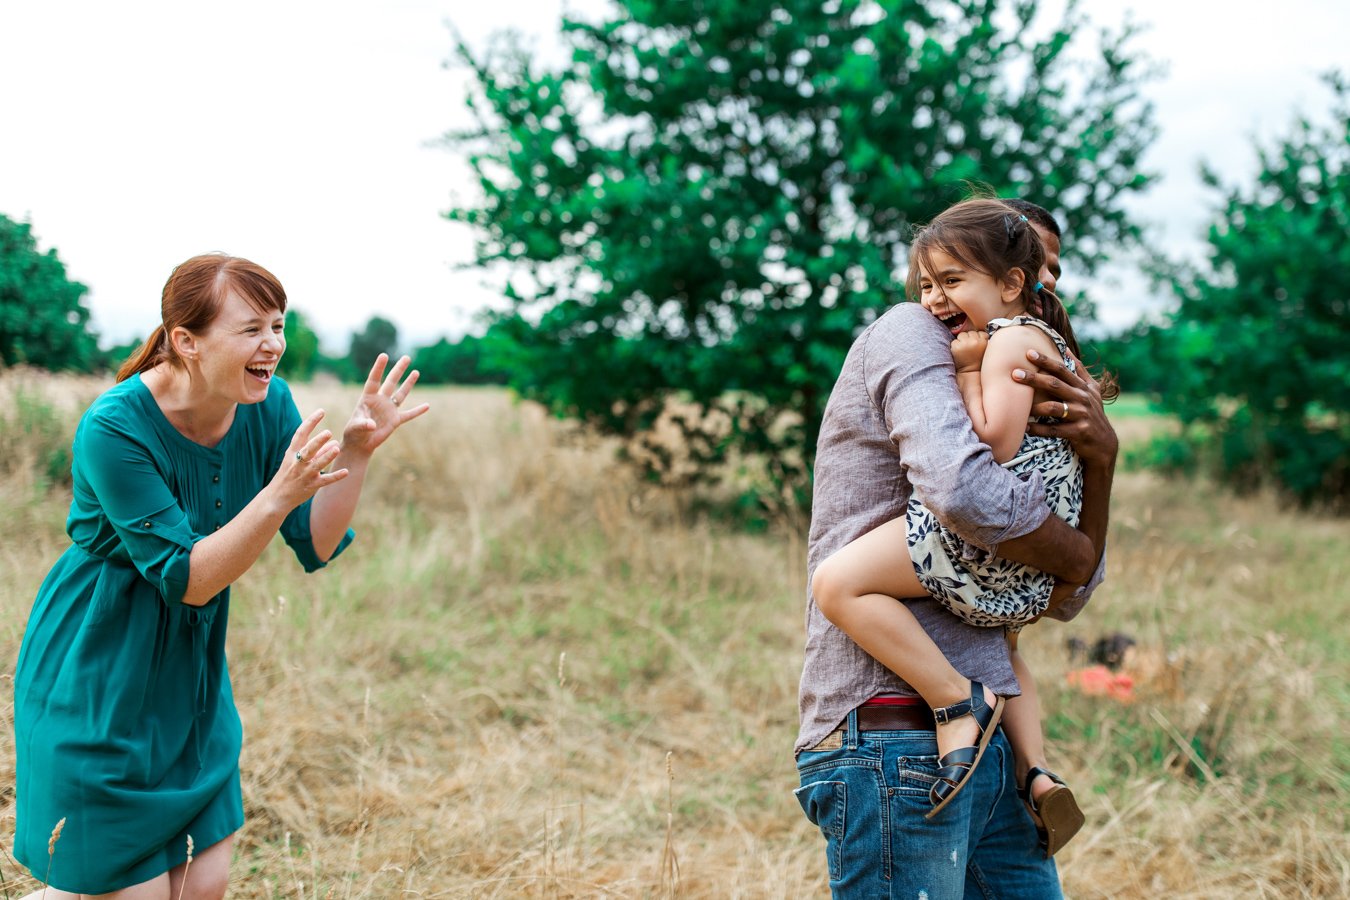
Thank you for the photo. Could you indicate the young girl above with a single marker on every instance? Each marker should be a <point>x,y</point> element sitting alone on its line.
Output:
<point>976,268</point>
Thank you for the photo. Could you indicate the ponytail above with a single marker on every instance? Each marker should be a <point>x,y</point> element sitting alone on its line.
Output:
<point>154,351</point>
<point>1050,310</point>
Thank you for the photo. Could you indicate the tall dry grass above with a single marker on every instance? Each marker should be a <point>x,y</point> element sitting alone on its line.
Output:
<point>535,675</point>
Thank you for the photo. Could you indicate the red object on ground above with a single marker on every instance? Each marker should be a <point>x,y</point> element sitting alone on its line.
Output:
<point>1099,681</point>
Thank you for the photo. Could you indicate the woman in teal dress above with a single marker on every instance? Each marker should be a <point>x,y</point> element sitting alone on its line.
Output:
<point>126,729</point>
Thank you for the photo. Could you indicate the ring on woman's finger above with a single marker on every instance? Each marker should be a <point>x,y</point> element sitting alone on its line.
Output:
<point>1065,413</point>
<point>397,400</point>
<point>300,457</point>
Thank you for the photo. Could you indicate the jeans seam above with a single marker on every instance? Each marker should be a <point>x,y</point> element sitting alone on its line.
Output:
<point>974,874</point>
<point>1002,784</point>
<point>884,810</point>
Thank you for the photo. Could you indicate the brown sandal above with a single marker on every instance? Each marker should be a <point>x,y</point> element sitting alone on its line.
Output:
<point>1057,815</point>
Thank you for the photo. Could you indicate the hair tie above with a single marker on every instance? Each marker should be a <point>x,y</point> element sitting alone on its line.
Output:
<point>1037,288</point>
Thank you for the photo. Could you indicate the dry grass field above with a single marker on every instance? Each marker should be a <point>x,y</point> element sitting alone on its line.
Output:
<point>534,675</point>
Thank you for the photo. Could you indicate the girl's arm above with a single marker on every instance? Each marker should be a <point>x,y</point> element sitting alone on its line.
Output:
<point>998,405</point>
<point>968,351</point>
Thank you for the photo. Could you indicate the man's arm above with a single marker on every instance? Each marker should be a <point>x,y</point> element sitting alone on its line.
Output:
<point>1090,434</point>
<point>910,379</point>
<point>910,376</point>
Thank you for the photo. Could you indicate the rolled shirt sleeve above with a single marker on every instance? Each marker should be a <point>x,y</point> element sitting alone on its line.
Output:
<point>153,528</point>
<point>910,377</point>
<point>295,531</point>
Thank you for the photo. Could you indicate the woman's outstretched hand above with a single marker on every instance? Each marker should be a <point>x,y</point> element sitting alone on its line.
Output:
<point>302,469</point>
<point>1077,404</point>
<point>379,411</point>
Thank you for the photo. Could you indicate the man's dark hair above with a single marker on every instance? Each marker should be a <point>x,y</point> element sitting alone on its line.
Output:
<point>1037,214</point>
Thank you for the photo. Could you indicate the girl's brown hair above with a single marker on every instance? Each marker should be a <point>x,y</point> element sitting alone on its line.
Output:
<point>991,237</point>
<point>192,299</point>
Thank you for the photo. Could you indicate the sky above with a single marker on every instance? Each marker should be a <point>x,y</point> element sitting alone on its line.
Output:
<point>303,135</point>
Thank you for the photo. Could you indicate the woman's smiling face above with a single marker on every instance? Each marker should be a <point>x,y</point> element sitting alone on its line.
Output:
<point>238,353</point>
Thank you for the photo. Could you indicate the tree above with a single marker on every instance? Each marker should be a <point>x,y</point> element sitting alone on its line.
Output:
<point>302,347</point>
<point>466,361</point>
<point>712,197</point>
<point>378,336</point>
<point>43,319</point>
<point>1257,346</point>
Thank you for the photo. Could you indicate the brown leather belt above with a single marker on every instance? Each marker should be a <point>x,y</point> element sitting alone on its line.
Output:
<point>895,718</point>
<point>916,717</point>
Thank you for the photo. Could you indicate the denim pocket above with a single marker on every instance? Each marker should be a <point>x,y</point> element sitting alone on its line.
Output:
<point>825,803</point>
<point>917,774</point>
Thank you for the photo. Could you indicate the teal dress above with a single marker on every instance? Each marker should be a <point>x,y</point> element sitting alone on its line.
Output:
<point>125,724</point>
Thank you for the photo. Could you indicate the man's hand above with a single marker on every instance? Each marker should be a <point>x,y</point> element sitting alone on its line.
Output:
<point>1077,404</point>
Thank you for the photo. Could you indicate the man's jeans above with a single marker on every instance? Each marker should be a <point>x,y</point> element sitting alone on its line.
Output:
<point>869,798</point>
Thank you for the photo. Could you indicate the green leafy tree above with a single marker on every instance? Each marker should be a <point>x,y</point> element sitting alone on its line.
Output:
<point>1139,357</point>
<point>378,336</point>
<point>712,197</point>
<point>302,347</point>
<point>43,319</point>
<point>470,360</point>
<point>117,354</point>
<point>1260,371</point>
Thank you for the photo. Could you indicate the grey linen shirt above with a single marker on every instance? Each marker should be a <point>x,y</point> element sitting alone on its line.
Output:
<point>895,426</point>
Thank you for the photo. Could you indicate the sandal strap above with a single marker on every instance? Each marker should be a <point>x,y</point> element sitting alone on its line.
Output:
<point>963,757</point>
<point>944,714</point>
<point>1024,791</point>
<point>941,789</point>
<point>953,768</point>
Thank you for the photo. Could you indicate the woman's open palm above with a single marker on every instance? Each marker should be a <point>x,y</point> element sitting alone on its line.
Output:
<point>379,411</point>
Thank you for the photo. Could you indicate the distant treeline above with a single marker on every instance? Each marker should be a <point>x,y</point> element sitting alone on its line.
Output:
<point>468,360</point>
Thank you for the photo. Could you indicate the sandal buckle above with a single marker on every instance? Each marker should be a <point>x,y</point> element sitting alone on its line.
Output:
<point>944,714</point>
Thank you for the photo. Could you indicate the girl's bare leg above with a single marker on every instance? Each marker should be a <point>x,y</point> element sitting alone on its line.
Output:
<point>856,589</point>
<point>1022,725</point>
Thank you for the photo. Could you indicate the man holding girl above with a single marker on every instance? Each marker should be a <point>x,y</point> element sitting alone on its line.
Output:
<point>897,820</point>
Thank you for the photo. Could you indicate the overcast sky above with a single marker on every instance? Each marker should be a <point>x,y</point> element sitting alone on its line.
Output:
<point>301,134</point>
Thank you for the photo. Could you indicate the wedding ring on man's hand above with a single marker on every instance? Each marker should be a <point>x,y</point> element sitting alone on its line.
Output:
<point>1065,414</point>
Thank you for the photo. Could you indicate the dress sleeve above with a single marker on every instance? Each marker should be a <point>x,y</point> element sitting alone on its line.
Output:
<point>295,527</point>
<point>131,490</point>
<point>910,377</point>
<point>295,531</point>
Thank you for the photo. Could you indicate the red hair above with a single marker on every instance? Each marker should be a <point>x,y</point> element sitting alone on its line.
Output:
<point>192,299</point>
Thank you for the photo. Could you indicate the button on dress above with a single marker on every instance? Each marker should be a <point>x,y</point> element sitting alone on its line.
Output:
<point>125,724</point>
